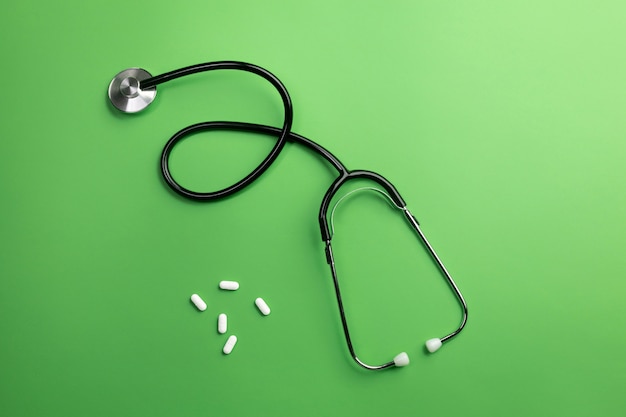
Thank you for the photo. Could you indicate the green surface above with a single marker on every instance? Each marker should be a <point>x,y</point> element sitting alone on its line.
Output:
<point>503,124</point>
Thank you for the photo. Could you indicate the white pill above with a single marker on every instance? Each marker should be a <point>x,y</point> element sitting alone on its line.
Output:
<point>222,323</point>
<point>229,285</point>
<point>262,306</point>
<point>198,302</point>
<point>230,344</point>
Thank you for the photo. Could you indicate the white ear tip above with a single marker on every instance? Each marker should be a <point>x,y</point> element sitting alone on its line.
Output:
<point>433,345</point>
<point>401,359</point>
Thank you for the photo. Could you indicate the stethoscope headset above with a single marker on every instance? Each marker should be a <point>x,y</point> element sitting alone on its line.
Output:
<point>132,90</point>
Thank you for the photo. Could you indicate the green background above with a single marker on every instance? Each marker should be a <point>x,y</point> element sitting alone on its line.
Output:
<point>501,123</point>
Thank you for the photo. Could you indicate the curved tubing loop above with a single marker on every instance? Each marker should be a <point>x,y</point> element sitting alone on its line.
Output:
<point>239,127</point>
<point>283,133</point>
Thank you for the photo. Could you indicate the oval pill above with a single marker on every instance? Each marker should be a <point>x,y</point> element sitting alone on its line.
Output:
<point>198,302</point>
<point>230,344</point>
<point>222,323</point>
<point>262,306</point>
<point>229,285</point>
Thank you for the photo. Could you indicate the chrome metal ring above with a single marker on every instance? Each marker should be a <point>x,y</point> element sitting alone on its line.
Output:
<point>125,90</point>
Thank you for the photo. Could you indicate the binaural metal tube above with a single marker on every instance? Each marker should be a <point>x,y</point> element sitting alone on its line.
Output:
<point>443,269</point>
<point>331,261</point>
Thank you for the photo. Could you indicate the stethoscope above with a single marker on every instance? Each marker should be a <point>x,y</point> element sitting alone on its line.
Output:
<point>132,90</point>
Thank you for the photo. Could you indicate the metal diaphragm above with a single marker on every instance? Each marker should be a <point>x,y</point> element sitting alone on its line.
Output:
<point>125,90</point>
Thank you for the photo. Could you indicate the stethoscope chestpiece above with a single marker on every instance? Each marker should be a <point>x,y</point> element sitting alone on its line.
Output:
<point>125,90</point>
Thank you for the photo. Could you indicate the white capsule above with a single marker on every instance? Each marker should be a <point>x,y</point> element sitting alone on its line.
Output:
<point>229,285</point>
<point>230,344</point>
<point>222,323</point>
<point>262,306</point>
<point>198,302</point>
